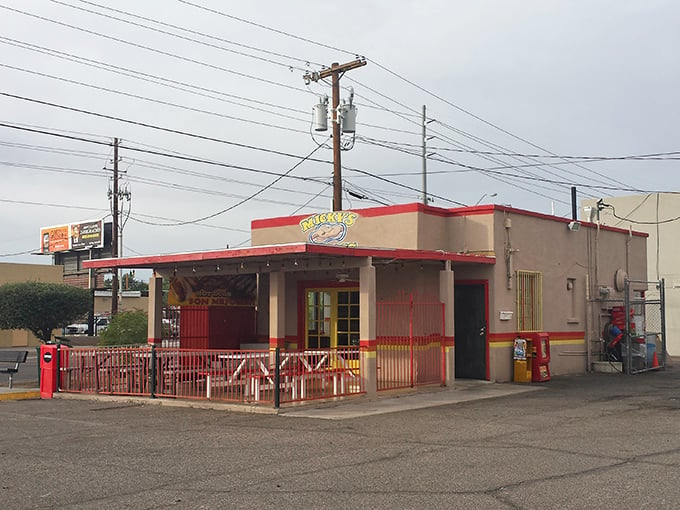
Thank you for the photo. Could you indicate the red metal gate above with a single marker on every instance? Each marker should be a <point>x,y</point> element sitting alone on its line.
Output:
<point>410,343</point>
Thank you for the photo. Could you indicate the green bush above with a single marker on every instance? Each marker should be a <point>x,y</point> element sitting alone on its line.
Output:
<point>126,328</point>
<point>41,307</point>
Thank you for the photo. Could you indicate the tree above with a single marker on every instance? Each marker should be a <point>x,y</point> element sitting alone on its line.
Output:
<point>128,282</point>
<point>126,328</point>
<point>41,307</point>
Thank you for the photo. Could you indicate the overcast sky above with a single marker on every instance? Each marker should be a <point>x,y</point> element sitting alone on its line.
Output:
<point>517,79</point>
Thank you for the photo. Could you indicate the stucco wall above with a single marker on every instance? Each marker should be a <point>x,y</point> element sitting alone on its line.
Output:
<point>569,262</point>
<point>15,273</point>
<point>650,213</point>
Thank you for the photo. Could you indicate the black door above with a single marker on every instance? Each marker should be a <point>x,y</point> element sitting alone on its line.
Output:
<point>470,331</point>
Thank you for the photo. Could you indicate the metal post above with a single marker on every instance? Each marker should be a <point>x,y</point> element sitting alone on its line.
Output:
<point>443,346</point>
<point>410,337</point>
<point>629,354</point>
<point>662,296</point>
<point>277,378</point>
<point>58,366</point>
<point>152,385</point>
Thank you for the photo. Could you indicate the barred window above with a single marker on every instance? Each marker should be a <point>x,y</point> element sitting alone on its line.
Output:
<point>529,301</point>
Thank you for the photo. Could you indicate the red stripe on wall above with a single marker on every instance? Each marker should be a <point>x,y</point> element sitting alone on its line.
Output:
<point>553,335</point>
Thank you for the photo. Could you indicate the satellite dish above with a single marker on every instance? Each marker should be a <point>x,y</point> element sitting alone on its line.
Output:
<point>620,278</point>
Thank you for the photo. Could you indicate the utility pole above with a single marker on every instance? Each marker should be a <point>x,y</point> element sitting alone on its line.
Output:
<point>424,157</point>
<point>425,154</point>
<point>335,72</point>
<point>114,230</point>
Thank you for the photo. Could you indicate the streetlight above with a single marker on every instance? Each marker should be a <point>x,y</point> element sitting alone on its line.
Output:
<point>485,195</point>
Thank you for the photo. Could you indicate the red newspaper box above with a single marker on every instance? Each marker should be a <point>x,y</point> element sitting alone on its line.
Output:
<point>540,369</point>
<point>49,370</point>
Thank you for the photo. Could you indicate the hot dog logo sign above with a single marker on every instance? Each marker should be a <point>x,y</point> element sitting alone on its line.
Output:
<point>329,228</point>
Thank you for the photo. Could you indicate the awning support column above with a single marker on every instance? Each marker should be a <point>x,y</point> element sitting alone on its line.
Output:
<point>277,310</point>
<point>155,324</point>
<point>446,296</point>
<point>367,322</point>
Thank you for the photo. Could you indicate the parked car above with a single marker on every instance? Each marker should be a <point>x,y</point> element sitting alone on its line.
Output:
<point>100,324</point>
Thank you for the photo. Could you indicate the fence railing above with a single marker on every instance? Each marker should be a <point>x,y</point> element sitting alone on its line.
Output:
<point>261,376</point>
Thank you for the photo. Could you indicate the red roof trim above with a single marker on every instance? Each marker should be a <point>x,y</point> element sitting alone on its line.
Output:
<point>371,212</point>
<point>474,210</point>
<point>285,249</point>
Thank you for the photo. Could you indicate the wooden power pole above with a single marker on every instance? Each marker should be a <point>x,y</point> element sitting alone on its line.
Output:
<point>114,229</point>
<point>335,72</point>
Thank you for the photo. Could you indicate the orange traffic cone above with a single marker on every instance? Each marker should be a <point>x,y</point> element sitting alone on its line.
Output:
<point>655,361</point>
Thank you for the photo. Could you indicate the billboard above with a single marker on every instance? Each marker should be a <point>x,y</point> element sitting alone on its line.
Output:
<point>83,235</point>
<point>87,234</point>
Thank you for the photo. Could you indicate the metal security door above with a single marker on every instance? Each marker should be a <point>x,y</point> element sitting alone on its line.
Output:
<point>410,343</point>
<point>470,331</point>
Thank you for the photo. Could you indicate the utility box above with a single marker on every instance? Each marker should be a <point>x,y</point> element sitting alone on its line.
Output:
<point>49,369</point>
<point>521,354</point>
<point>540,370</point>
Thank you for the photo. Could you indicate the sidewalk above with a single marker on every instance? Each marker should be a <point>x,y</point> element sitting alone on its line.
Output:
<point>390,402</point>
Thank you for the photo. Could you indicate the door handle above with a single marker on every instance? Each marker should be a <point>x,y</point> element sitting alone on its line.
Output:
<point>482,331</point>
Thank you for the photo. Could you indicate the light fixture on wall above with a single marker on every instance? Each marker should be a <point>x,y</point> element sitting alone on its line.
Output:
<point>342,277</point>
<point>574,226</point>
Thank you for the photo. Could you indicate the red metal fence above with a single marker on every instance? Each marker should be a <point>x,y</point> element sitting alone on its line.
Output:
<point>262,376</point>
<point>410,343</point>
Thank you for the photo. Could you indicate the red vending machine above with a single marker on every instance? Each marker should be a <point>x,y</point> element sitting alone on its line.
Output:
<point>540,370</point>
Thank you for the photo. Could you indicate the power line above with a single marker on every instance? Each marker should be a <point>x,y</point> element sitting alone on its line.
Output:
<point>656,156</point>
<point>17,253</point>
<point>393,73</point>
<point>189,31</point>
<point>155,50</point>
<point>218,213</point>
<point>252,23</point>
<point>157,101</point>
<point>659,222</point>
<point>152,126</point>
<point>151,182</point>
<point>151,78</point>
<point>202,137</point>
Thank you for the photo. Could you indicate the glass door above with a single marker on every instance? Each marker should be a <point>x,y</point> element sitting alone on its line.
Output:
<point>332,318</point>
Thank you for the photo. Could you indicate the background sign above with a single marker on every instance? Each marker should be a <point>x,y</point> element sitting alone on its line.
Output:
<point>53,239</point>
<point>87,234</point>
<point>75,236</point>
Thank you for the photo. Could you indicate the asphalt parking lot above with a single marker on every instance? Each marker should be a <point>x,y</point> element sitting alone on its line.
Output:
<point>595,441</point>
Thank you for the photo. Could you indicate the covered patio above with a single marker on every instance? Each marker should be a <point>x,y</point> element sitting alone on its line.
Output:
<point>300,302</point>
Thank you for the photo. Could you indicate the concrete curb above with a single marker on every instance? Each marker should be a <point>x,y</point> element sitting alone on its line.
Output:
<point>20,395</point>
<point>215,406</point>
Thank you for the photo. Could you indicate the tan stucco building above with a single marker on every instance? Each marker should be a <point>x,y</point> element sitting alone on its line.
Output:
<point>658,215</point>
<point>498,272</point>
<point>16,273</point>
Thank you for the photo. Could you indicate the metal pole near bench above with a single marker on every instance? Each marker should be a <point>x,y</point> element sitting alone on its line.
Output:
<point>277,378</point>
